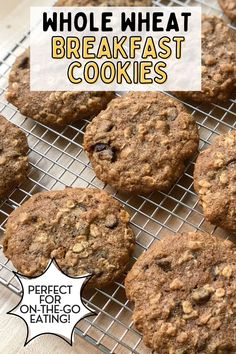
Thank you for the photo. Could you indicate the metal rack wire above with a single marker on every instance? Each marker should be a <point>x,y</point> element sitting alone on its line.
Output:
<point>57,160</point>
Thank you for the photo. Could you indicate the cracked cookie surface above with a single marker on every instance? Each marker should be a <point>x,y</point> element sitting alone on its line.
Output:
<point>215,181</point>
<point>13,156</point>
<point>141,141</point>
<point>85,230</point>
<point>184,294</point>
<point>229,8</point>
<point>53,108</point>
<point>218,62</point>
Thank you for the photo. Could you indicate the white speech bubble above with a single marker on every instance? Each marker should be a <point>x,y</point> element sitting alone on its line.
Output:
<point>52,303</point>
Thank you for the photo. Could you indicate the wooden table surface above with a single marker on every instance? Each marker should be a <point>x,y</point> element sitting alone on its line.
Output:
<point>13,334</point>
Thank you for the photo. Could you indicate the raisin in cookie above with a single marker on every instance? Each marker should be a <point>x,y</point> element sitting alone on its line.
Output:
<point>184,294</point>
<point>229,8</point>
<point>85,230</point>
<point>13,156</point>
<point>218,62</point>
<point>55,109</point>
<point>215,181</point>
<point>141,141</point>
<point>103,3</point>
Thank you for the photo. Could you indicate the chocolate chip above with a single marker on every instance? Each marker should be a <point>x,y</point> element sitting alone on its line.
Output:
<point>16,155</point>
<point>105,152</point>
<point>110,128</point>
<point>100,147</point>
<point>231,162</point>
<point>113,155</point>
<point>145,267</point>
<point>164,265</point>
<point>34,218</point>
<point>24,64</point>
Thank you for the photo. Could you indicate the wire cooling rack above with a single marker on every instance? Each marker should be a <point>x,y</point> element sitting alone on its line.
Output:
<point>57,160</point>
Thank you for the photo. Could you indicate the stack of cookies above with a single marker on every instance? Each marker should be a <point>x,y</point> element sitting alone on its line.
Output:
<point>184,287</point>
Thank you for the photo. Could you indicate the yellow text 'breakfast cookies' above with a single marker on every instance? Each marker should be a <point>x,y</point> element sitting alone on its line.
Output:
<point>184,294</point>
<point>85,230</point>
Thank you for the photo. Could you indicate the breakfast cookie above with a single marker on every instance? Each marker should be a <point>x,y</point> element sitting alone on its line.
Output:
<point>103,3</point>
<point>51,108</point>
<point>215,181</point>
<point>184,294</point>
<point>229,8</point>
<point>13,156</point>
<point>85,230</point>
<point>218,62</point>
<point>141,141</point>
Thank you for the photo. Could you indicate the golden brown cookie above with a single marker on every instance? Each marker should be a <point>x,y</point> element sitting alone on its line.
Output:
<point>13,156</point>
<point>141,141</point>
<point>229,8</point>
<point>215,181</point>
<point>55,109</point>
<point>85,230</point>
<point>218,62</point>
<point>184,294</point>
